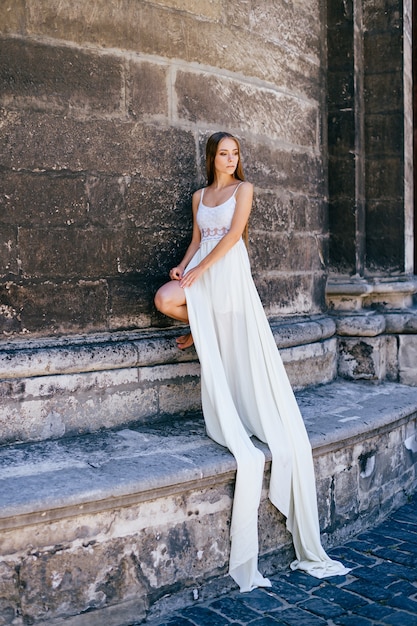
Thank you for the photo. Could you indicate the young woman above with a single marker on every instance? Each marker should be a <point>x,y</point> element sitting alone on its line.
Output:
<point>245,389</point>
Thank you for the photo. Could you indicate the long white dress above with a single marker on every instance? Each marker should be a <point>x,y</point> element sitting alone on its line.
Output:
<point>245,392</point>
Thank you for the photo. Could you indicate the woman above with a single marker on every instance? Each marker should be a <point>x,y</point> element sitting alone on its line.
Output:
<point>244,386</point>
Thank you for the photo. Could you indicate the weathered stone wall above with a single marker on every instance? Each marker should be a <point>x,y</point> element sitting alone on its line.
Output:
<point>366,137</point>
<point>106,107</point>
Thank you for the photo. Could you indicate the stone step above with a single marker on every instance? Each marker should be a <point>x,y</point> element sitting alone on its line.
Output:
<point>63,386</point>
<point>104,528</point>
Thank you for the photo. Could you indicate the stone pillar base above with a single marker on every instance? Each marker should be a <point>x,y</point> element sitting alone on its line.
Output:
<point>376,326</point>
<point>355,293</point>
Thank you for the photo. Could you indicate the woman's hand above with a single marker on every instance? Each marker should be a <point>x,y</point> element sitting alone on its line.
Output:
<point>176,273</point>
<point>190,277</point>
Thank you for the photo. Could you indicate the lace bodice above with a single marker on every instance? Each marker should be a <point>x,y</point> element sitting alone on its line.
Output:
<point>214,222</point>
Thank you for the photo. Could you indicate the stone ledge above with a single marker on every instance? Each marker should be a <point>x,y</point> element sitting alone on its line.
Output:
<point>354,293</point>
<point>166,458</point>
<point>140,514</point>
<point>370,323</point>
<point>361,324</point>
<point>401,322</point>
<point>105,351</point>
<point>61,387</point>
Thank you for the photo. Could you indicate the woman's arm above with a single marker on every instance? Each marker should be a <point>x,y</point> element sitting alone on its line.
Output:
<point>177,272</point>
<point>244,197</point>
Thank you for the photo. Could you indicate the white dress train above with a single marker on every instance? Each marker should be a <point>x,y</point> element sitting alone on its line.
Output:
<point>245,392</point>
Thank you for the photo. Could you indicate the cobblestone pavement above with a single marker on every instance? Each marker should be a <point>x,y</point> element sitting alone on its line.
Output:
<point>380,589</point>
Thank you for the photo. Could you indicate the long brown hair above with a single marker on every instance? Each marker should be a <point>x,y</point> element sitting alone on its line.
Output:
<point>211,151</point>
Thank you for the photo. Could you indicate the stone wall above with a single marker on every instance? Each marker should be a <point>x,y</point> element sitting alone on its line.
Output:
<point>105,109</point>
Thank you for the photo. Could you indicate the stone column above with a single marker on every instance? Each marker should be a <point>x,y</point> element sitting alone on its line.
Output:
<point>370,183</point>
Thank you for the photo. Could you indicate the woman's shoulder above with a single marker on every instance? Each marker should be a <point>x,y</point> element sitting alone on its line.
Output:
<point>197,194</point>
<point>245,184</point>
<point>196,197</point>
<point>244,188</point>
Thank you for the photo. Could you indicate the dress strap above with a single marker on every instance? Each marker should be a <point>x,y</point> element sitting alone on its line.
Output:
<point>237,187</point>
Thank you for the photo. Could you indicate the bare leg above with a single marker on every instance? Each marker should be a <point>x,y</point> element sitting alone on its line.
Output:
<point>170,300</point>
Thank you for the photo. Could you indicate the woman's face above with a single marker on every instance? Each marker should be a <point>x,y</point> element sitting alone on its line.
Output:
<point>227,156</point>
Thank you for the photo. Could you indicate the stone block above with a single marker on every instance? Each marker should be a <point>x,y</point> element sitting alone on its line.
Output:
<point>360,325</point>
<point>311,364</point>
<point>75,405</point>
<point>384,92</point>
<point>132,27</point>
<point>292,25</point>
<point>53,142</point>
<point>12,16</point>
<point>170,210</point>
<point>325,501</point>
<point>340,48</point>
<point>341,131</point>
<point>48,386</point>
<point>316,215</point>
<point>52,307</point>
<point>270,167</point>
<point>63,388</point>
<point>385,179</point>
<point>286,294</point>
<point>285,252</point>
<point>48,76</point>
<point>340,89</point>
<point>342,179</point>
<point>148,89</point>
<point>407,359</point>
<point>212,10</point>
<point>382,15</point>
<point>131,302</point>
<point>151,257</point>
<point>340,14</point>
<point>108,575</point>
<point>289,294</point>
<point>362,358</point>
<point>273,532</point>
<point>342,235</point>
<point>9,263</point>
<point>43,199</point>
<point>10,319</point>
<point>90,353</point>
<point>178,387</point>
<point>229,103</point>
<point>383,51</point>
<point>384,134</point>
<point>70,252</point>
<point>399,322</point>
<point>179,398</point>
<point>106,197</point>
<point>126,554</point>
<point>300,332</point>
<point>9,594</point>
<point>385,245</point>
<point>81,354</point>
<point>273,211</point>
<point>188,372</point>
<point>346,500</point>
<point>392,358</point>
